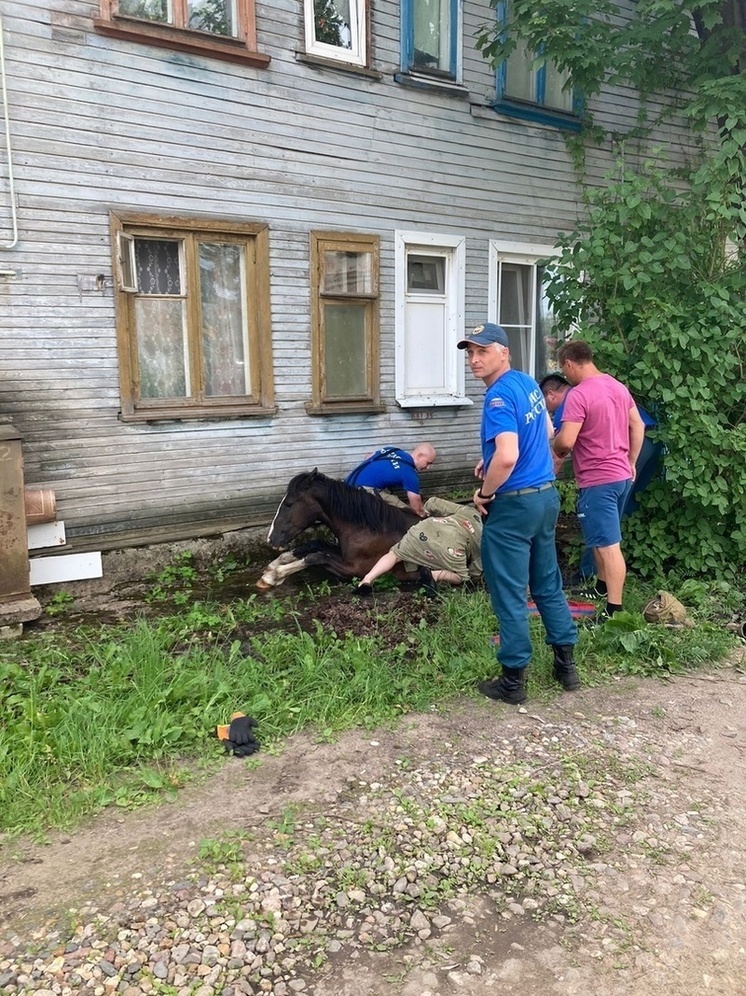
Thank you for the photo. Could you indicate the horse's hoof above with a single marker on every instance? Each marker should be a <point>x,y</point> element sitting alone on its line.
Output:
<point>264,585</point>
<point>364,589</point>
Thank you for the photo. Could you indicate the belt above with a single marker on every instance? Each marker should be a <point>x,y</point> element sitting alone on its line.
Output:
<point>524,491</point>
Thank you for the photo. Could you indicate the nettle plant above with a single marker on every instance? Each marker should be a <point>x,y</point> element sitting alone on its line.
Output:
<point>652,282</point>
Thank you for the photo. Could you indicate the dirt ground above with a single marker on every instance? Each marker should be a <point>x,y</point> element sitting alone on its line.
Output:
<point>663,909</point>
<point>682,918</point>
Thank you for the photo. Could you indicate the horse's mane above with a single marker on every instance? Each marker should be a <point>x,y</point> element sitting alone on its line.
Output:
<point>354,505</point>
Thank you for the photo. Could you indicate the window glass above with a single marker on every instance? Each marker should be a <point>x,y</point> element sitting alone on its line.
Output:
<point>153,10</point>
<point>426,274</point>
<point>224,326</point>
<point>162,348</point>
<point>432,34</point>
<point>332,22</point>
<point>554,95</point>
<point>345,350</point>
<point>157,263</point>
<point>519,76</point>
<point>216,16</point>
<point>347,273</point>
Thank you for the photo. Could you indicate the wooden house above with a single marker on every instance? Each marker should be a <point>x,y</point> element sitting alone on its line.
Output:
<point>240,239</point>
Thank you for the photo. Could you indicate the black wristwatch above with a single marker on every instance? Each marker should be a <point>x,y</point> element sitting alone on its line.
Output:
<point>485,497</point>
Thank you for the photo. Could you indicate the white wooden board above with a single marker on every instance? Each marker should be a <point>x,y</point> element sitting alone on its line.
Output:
<point>46,534</point>
<point>71,567</point>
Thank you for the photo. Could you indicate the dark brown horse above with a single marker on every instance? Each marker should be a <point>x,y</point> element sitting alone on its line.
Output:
<point>365,526</point>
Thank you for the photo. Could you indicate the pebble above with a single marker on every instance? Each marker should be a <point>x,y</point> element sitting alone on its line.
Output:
<point>510,821</point>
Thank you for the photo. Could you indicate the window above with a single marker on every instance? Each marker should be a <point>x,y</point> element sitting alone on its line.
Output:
<point>431,38</point>
<point>344,322</point>
<point>430,283</point>
<point>531,87</point>
<point>192,318</point>
<point>337,29</point>
<point>517,301</point>
<point>224,29</point>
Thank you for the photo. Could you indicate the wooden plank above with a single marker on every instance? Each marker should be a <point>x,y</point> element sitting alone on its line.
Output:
<point>69,567</point>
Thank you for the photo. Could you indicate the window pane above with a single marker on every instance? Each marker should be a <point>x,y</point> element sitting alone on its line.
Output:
<point>515,294</point>
<point>426,274</point>
<point>216,16</point>
<point>345,350</point>
<point>153,10</point>
<point>347,273</point>
<point>332,22</point>
<point>162,349</point>
<point>432,34</point>
<point>426,347</point>
<point>546,331</point>
<point>519,76</point>
<point>554,96</point>
<point>222,276</point>
<point>158,266</point>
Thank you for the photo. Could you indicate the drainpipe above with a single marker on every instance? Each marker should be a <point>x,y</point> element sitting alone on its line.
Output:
<point>6,119</point>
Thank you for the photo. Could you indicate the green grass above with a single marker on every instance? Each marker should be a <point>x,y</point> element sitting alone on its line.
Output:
<point>124,714</point>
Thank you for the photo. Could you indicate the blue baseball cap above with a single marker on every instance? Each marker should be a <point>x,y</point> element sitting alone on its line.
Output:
<point>485,335</point>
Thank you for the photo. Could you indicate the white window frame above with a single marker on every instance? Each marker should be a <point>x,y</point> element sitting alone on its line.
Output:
<point>524,254</point>
<point>357,55</point>
<point>453,248</point>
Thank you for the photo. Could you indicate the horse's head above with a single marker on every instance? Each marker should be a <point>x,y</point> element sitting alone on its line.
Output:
<point>297,511</point>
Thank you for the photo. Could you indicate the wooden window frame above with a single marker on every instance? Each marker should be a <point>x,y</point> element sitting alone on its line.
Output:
<point>241,49</point>
<point>536,110</point>
<point>321,242</point>
<point>453,74</point>
<point>255,236</point>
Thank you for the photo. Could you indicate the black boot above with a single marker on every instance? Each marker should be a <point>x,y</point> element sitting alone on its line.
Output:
<point>510,687</point>
<point>564,667</point>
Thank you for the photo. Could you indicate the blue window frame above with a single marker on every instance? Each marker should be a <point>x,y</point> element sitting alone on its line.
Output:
<point>431,32</point>
<point>531,88</point>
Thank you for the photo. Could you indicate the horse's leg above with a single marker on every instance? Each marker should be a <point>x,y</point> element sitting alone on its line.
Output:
<point>295,560</point>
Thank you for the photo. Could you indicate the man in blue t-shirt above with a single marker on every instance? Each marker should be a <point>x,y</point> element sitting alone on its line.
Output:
<point>390,467</point>
<point>521,505</point>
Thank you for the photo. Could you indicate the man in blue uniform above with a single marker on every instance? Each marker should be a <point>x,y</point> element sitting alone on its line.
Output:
<point>389,468</point>
<point>518,498</point>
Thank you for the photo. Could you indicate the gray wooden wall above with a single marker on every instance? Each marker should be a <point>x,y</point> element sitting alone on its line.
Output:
<point>99,124</point>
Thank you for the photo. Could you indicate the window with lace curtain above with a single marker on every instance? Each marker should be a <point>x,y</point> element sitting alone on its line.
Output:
<point>192,318</point>
<point>225,29</point>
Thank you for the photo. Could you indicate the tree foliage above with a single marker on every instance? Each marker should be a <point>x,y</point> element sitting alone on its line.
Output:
<point>654,277</point>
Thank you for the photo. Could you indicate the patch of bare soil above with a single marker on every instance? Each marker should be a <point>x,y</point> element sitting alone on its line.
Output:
<point>668,921</point>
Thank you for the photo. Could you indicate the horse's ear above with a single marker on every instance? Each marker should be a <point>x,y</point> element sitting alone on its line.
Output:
<point>314,473</point>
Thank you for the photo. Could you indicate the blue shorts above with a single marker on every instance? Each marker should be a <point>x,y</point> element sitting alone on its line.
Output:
<point>600,512</point>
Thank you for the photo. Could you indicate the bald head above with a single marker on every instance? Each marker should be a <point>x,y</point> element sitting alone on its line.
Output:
<point>423,455</point>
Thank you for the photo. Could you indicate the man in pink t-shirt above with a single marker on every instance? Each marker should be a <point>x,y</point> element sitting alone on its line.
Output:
<point>603,430</point>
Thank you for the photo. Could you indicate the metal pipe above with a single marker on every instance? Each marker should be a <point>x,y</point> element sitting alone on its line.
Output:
<point>6,114</point>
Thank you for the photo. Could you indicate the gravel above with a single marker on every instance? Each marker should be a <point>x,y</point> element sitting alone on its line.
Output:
<point>535,825</point>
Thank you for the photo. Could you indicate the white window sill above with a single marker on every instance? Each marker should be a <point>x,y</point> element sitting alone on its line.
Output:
<point>437,402</point>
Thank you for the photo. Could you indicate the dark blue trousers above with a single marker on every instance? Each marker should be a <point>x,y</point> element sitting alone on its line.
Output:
<point>519,553</point>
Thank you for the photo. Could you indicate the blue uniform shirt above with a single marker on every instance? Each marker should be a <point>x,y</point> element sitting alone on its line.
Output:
<point>514,403</point>
<point>386,468</point>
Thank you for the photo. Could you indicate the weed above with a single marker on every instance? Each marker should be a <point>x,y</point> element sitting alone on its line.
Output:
<point>60,603</point>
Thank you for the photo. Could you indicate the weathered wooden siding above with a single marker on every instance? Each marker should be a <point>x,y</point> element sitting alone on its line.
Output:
<point>100,124</point>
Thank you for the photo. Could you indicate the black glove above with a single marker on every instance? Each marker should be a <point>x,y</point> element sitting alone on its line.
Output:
<point>241,750</point>
<point>239,732</point>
